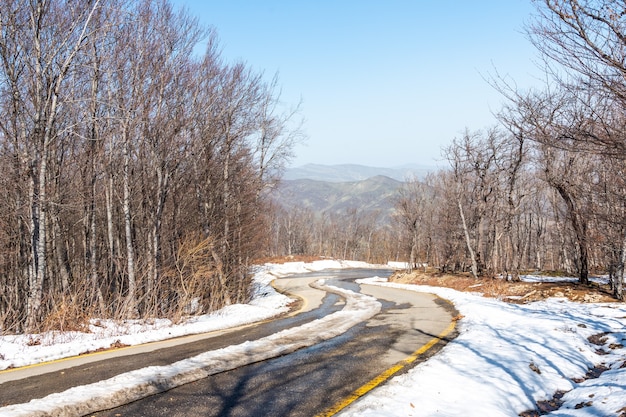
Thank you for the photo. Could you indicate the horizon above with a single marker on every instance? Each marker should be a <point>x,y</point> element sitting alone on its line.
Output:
<point>407,165</point>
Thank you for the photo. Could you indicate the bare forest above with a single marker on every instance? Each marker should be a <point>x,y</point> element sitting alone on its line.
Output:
<point>132,166</point>
<point>136,171</point>
<point>543,190</point>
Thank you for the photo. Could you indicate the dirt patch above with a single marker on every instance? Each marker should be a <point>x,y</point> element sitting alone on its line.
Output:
<point>509,291</point>
<point>546,406</point>
<point>115,345</point>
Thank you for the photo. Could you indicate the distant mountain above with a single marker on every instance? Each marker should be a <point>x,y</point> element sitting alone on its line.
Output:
<point>374,194</point>
<point>351,172</point>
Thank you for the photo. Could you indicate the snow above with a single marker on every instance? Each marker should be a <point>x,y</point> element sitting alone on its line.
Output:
<point>23,350</point>
<point>138,384</point>
<point>488,369</point>
<point>505,358</point>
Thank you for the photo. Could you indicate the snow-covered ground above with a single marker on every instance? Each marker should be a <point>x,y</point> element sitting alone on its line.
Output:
<point>22,350</point>
<point>505,359</point>
<point>508,357</point>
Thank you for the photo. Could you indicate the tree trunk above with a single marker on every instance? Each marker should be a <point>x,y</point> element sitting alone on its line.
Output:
<point>579,226</point>
<point>620,275</point>
<point>108,192</point>
<point>468,241</point>
<point>413,257</point>
<point>60,253</point>
<point>131,296</point>
<point>225,268</point>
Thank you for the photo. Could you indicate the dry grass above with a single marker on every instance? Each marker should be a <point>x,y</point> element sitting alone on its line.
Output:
<point>67,315</point>
<point>515,292</point>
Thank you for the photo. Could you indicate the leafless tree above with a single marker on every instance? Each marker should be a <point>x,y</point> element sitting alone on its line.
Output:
<point>473,161</point>
<point>120,146</point>
<point>411,213</point>
<point>39,47</point>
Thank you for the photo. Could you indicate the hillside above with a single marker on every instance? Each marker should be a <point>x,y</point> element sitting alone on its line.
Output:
<point>352,172</point>
<point>369,195</point>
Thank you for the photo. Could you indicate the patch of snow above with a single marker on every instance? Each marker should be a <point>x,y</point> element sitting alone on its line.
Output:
<point>544,278</point>
<point>289,268</point>
<point>506,358</point>
<point>141,383</point>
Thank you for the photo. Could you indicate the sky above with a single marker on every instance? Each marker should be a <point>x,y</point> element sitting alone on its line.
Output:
<point>381,83</point>
<point>505,358</point>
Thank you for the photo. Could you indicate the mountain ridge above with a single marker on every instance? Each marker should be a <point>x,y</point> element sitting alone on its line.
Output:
<point>374,194</point>
<point>355,172</point>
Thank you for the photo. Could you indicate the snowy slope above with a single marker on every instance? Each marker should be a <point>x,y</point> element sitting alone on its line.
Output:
<point>508,357</point>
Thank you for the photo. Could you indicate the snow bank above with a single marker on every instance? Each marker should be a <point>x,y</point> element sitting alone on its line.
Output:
<point>141,383</point>
<point>289,268</point>
<point>22,350</point>
<point>506,358</point>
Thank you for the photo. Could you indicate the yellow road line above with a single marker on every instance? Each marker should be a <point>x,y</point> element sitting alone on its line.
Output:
<point>114,350</point>
<point>156,342</point>
<point>361,391</point>
<point>69,358</point>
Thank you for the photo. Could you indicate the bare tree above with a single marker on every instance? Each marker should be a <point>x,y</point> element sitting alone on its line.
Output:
<point>473,162</point>
<point>40,44</point>
<point>115,161</point>
<point>587,39</point>
<point>564,173</point>
<point>411,212</point>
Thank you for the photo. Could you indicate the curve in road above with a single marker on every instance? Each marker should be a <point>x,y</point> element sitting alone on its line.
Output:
<point>359,307</point>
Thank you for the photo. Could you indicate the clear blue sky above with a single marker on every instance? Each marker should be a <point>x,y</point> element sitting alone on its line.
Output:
<point>383,83</point>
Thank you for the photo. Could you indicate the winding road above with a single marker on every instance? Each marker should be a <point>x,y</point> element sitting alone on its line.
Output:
<point>317,380</point>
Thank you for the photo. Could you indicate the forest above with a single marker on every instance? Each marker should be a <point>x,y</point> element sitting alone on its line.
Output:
<point>136,171</point>
<point>544,189</point>
<point>132,167</point>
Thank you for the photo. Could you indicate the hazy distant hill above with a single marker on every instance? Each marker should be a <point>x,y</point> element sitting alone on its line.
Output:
<point>350,172</point>
<point>372,194</point>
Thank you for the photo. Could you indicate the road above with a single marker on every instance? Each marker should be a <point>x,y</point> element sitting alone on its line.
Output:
<point>309,381</point>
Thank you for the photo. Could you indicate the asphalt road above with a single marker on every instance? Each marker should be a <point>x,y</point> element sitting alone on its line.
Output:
<point>304,383</point>
<point>19,386</point>
<point>310,381</point>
